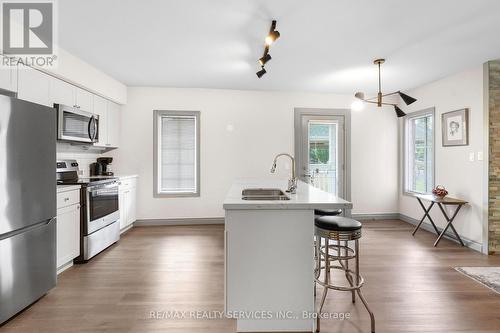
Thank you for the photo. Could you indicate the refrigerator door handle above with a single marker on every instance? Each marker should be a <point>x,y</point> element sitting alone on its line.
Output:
<point>28,228</point>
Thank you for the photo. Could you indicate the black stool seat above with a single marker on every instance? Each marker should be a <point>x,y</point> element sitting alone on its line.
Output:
<point>337,223</point>
<point>328,212</point>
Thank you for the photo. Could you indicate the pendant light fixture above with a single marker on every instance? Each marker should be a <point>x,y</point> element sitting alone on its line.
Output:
<point>379,98</point>
<point>270,39</point>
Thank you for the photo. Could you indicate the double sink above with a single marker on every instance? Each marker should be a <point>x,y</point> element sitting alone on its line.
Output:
<point>264,194</point>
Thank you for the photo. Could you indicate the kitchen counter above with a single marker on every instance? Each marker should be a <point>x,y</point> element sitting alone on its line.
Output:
<point>307,197</point>
<point>65,188</point>
<point>269,256</point>
<point>116,176</point>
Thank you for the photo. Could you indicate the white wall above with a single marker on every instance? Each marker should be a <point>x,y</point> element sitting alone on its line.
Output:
<point>263,126</point>
<point>462,178</point>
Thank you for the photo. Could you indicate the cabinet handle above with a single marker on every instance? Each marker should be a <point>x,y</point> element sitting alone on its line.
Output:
<point>66,199</point>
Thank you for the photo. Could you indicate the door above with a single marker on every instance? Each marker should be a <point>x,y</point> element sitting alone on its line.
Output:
<point>84,100</point>
<point>132,212</point>
<point>34,86</point>
<point>320,149</point>
<point>100,108</point>
<point>62,92</point>
<point>68,234</point>
<point>113,121</point>
<point>77,125</point>
<point>7,77</point>
<point>27,164</point>
<point>123,204</point>
<point>27,267</point>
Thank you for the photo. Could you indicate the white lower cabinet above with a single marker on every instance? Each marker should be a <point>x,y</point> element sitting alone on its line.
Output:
<point>68,226</point>
<point>128,202</point>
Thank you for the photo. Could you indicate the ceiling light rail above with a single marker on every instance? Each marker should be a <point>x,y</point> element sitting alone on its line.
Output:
<point>270,39</point>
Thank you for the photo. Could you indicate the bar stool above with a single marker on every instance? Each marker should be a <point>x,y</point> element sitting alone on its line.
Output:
<point>338,229</point>
<point>327,212</point>
<point>323,212</point>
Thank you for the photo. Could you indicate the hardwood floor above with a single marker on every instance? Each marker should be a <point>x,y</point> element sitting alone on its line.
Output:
<point>410,285</point>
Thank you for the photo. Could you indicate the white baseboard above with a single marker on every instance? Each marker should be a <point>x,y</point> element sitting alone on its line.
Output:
<point>64,267</point>
<point>448,235</point>
<point>362,217</point>
<point>376,216</point>
<point>186,221</point>
<point>127,228</point>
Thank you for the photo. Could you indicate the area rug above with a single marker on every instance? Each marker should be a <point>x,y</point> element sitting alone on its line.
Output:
<point>487,276</point>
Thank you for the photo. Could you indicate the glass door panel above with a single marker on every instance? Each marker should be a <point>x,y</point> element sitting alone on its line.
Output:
<point>322,153</point>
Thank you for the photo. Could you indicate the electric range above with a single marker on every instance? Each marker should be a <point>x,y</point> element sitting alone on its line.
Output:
<point>99,217</point>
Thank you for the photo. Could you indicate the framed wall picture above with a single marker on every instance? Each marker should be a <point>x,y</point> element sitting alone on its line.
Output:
<point>455,128</point>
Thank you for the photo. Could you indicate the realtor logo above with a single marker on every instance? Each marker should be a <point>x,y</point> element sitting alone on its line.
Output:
<point>27,28</point>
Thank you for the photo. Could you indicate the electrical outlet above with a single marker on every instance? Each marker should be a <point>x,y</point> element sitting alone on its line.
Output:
<point>471,157</point>
<point>479,155</point>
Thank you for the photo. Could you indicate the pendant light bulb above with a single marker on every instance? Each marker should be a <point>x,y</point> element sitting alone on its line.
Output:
<point>359,95</point>
<point>357,105</point>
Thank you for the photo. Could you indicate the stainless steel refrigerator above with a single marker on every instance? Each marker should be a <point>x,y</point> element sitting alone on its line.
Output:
<point>27,203</point>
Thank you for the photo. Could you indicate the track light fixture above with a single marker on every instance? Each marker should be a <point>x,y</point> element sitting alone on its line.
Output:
<point>261,72</point>
<point>271,38</point>
<point>264,59</point>
<point>379,98</point>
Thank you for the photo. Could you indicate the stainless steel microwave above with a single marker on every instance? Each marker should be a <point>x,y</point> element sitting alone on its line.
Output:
<point>76,125</point>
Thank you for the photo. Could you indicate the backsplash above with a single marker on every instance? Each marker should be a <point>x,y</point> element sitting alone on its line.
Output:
<point>83,156</point>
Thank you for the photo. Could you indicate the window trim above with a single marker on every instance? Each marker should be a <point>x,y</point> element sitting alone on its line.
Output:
<point>428,111</point>
<point>157,114</point>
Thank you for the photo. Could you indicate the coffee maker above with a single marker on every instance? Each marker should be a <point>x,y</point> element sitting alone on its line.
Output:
<point>102,167</point>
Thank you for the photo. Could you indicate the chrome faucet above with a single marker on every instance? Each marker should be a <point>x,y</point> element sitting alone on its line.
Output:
<point>292,182</point>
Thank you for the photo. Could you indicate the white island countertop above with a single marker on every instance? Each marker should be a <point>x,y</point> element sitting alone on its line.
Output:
<point>307,197</point>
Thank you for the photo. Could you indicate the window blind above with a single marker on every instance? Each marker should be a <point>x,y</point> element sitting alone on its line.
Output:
<point>177,152</point>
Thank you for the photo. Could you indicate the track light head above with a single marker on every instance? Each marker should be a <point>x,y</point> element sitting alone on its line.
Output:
<point>265,58</point>
<point>272,37</point>
<point>261,72</point>
<point>407,99</point>
<point>360,95</point>
<point>399,112</point>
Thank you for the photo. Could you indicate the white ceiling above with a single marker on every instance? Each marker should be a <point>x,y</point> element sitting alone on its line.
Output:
<point>325,46</point>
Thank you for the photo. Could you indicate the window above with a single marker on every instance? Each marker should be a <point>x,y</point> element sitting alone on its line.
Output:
<point>419,152</point>
<point>177,153</point>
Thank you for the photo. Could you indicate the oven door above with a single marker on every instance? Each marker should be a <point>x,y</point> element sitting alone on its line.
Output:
<point>102,206</point>
<point>74,124</point>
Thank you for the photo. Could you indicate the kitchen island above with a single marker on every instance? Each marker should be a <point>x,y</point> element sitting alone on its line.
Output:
<point>269,282</point>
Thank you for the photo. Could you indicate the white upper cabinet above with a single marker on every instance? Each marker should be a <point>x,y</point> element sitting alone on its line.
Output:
<point>8,76</point>
<point>62,92</point>
<point>84,100</point>
<point>37,87</point>
<point>34,85</point>
<point>114,119</point>
<point>100,107</point>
